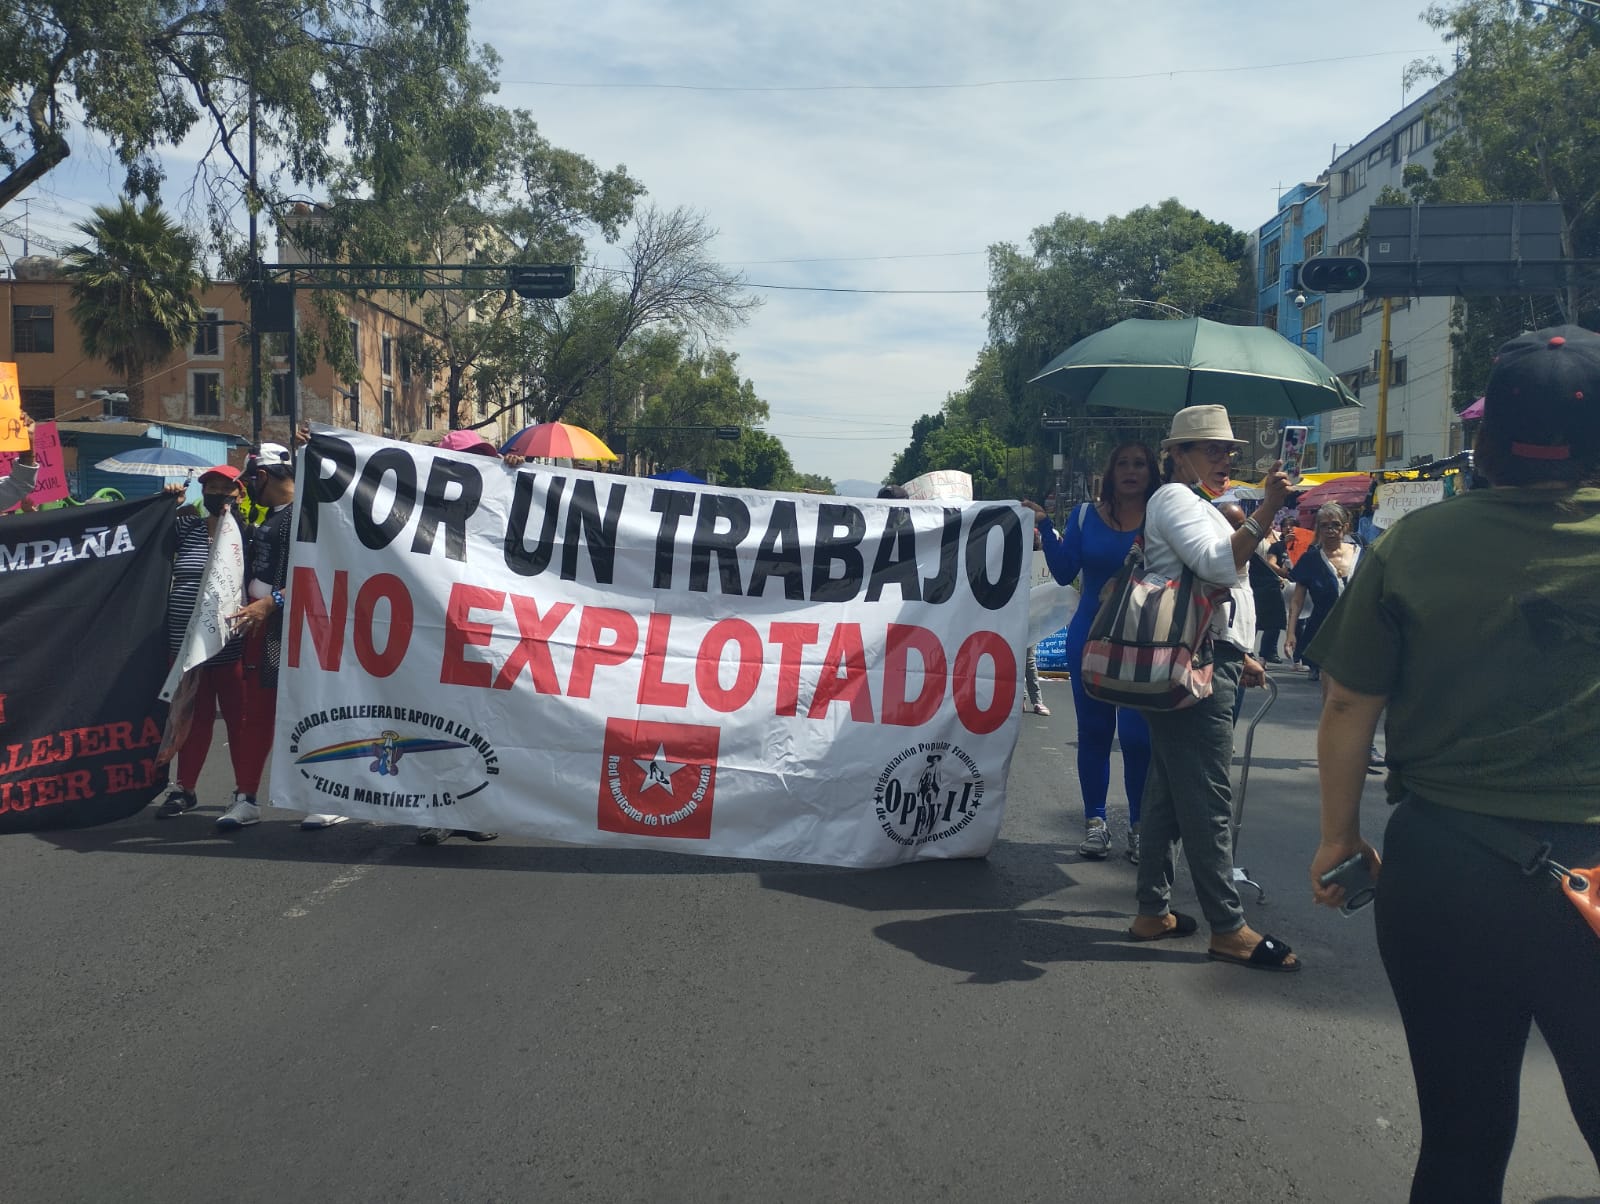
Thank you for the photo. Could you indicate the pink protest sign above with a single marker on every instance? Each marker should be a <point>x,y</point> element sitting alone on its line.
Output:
<point>51,484</point>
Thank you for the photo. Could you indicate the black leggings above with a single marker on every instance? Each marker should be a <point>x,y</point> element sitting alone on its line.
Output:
<point>1475,952</point>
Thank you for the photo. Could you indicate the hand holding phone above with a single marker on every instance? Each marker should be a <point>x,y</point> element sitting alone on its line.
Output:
<point>1293,451</point>
<point>1354,875</point>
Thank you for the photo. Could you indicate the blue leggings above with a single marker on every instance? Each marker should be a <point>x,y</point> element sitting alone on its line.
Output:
<point>1097,723</point>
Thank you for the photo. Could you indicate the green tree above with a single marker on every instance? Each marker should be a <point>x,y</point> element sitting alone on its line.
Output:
<point>914,460</point>
<point>134,290</point>
<point>671,282</point>
<point>808,482</point>
<point>478,184</point>
<point>1078,276</point>
<point>1522,110</point>
<point>704,390</point>
<point>324,76</point>
<point>756,460</point>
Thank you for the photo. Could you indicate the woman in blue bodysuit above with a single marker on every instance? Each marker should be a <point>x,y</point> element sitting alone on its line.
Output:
<point>1095,543</point>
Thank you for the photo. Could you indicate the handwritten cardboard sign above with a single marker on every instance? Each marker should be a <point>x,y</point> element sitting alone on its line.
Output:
<point>1399,498</point>
<point>51,483</point>
<point>943,485</point>
<point>13,435</point>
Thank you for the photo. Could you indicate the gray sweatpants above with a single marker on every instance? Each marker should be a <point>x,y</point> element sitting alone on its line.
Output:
<point>1189,796</point>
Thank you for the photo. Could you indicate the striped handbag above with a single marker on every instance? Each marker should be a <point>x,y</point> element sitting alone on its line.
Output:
<point>1149,646</point>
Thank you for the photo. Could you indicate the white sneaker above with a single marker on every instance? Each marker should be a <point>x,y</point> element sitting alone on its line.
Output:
<point>1040,709</point>
<point>242,814</point>
<point>312,823</point>
<point>1096,839</point>
<point>1133,844</point>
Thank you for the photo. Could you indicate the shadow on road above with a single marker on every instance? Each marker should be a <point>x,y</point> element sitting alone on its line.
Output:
<point>1008,946</point>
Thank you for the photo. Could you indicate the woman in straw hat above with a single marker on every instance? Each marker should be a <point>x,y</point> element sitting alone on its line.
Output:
<point>1189,796</point>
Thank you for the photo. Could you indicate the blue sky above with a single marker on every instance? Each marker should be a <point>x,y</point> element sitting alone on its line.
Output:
<point>862,162</point>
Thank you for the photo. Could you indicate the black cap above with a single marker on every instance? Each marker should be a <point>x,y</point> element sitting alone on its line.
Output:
<point>1543,399</point>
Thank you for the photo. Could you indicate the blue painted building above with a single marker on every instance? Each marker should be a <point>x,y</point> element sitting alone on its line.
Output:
<point>1296,233</point>
<point>96,441</point>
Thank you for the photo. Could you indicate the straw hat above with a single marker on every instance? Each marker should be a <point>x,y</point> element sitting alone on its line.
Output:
<point>1200,424</point>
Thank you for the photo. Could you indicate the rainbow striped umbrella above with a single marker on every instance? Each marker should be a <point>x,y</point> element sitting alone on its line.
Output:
<point>558,441</point>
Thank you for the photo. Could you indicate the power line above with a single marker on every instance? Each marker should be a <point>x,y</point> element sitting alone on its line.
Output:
<point>752,263</point>
<point>1170,73</point>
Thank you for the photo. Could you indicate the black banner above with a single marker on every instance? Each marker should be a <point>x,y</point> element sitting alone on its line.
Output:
<point>83,594</point>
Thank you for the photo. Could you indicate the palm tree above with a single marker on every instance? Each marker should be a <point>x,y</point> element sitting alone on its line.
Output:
<point>134,290</point>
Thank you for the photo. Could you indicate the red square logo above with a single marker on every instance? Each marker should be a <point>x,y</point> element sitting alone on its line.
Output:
<point>658,779</point>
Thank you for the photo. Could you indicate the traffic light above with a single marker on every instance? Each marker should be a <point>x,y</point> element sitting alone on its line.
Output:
<point>1333,274</point>
<point>728,432</point>
<point>532,281</point>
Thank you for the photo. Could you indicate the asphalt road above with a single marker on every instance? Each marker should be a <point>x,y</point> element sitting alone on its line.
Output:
<point>343,1015</point>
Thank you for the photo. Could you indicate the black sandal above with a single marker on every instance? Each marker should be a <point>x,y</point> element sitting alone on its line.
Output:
<point>1270,954</point>
<point>1184,926</point>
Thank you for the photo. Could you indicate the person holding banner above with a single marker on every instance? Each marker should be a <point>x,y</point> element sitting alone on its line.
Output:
<point>1095,543</point>
<point>475,444</point>
<point>24,473</point>
<point>270,477</point>
<point>219,682</point>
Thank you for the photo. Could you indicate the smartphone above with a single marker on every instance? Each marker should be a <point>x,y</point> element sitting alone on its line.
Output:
<point>1355,875</point>
<point>1292,452</point>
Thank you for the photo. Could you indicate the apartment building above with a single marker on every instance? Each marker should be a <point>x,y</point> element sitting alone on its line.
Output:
<point>1344,329</point>
<point>207,384</point>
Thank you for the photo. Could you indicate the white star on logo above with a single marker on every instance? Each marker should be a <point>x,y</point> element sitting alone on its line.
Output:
<point>658,770</point>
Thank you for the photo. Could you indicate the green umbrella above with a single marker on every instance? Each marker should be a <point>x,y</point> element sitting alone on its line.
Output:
<point>1162,366</point>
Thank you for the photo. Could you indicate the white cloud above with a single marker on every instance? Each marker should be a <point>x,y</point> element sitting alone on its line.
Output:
<point>798,174</point>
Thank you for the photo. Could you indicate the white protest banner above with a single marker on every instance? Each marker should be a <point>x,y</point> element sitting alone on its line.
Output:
<point>608,660</point>
<point>1399,498</point>
<point>221,593</point>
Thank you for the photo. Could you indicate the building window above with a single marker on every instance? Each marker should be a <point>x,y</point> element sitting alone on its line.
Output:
<point>1311,315</point>
<point>1354,245</point>
<point>33,329</point>
<point>388,411</point>
<point>1269,317</point>
<point>355,406</point>
<point>355,342</point>
<point>1313,242</point>
<point>205,388</point>
<point>1394,447</point>
<point>1344,456</point>
<point>39,404</point>
<point>207,336</point>
<point>387,355</point>
<point>1342,323</point>
<point>1311,454</point>
<point>1397,370</point>
<point>405,365</point>
<point>281,393</point>
<point>1271,257</point>
<point>1352,380</point>
<point>484,399</point>
<point>1353,178</point>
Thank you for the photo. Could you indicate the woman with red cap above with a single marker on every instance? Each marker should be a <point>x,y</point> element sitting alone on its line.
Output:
<point>220,681</point>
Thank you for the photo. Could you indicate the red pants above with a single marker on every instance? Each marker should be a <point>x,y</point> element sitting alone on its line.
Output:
<point>219,687</point>
<point>254,743</point>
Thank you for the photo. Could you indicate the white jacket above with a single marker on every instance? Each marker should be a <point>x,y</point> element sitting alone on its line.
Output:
<point>1181,529</point>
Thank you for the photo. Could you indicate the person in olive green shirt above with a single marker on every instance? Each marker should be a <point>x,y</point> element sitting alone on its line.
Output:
<point>1476,623</point>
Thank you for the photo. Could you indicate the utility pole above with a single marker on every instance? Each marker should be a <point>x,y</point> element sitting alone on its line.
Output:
<point>1383,383</point>
<point>253,287</point>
